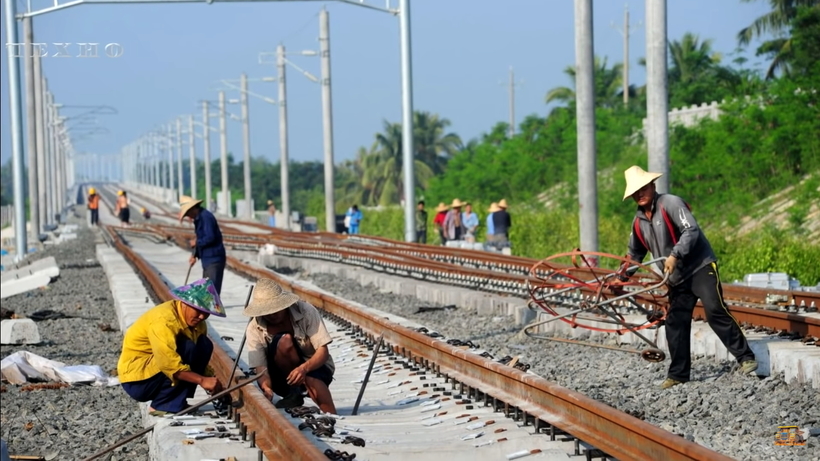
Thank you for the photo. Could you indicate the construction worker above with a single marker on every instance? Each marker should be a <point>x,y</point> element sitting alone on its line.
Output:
<point>165,353</point>
<point>94,206</point>
<point>664,226</point>
<point>145,213</point>
<point>287,344</point>
<point>207,245</point>
<point>271,214</point>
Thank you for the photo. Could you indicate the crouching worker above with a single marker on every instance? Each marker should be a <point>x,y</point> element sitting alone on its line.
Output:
<point>165,353</point>
<point>287,343</point>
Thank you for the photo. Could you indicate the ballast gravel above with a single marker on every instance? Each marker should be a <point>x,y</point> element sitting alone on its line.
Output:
<point>731,413</point>
<point>72,422</point>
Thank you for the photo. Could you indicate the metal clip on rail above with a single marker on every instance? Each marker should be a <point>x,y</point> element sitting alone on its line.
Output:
<point>553,288</point>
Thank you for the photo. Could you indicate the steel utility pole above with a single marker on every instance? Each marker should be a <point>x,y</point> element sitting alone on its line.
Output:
<point>51,151</point>
<point>627,30</point>
<point>585,114</point>
<point>31,128</point>
<point>246,140</point>
<point>40,139</point>
<point>283,135</point>
<point>408,149</point>
<point>511,88</point>
<point>180,182</point>
<point>16,109</point>
<point>223,141</point>
<point>657,103</point>
<point>206,152</point>
<point>192,155</point>
<point>327,120</point>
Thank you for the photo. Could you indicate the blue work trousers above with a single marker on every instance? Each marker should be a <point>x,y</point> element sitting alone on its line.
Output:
<point>158,388</point>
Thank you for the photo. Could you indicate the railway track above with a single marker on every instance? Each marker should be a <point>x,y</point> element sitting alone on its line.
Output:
<point>543,408</point>
<point>795,312</point>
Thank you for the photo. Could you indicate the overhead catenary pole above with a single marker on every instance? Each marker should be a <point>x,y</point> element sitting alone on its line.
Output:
<point>170,146</point>
<point>283,135</point>
<point>327,120</point>
<point>657,104</point>
<point>51,153</point>
<point>180,182</point>
<point>246,142</point>
<point>40,138</point>
<point>206,152</point>
<point>408,149</point>
<point>192,155</point>
<point>31,128</point>
<point>585,115</point>
<point>225,205</point>
<point>16,112</point>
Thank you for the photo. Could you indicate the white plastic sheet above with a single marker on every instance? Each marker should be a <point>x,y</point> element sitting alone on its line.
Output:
<point>21,366</point>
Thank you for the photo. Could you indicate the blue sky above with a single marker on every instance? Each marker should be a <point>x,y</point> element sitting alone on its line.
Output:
<point>174,56</point>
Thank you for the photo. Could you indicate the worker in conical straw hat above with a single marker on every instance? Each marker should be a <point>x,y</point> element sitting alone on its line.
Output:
<point>691,266</point>
<point>453,228</point>
<point>287,343</point>
<point>207,246</point>
<point>165,353</point>
<point>490,228</point>
<point>502,223</point>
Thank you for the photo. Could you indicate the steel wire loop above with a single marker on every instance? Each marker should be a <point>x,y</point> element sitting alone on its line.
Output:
<point>596,298</point>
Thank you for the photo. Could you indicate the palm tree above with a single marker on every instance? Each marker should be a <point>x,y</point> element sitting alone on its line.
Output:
<point>386,167</point>
<point>608,83</point>
<point>775,22</point>
<point>691,58</point>
<point>433,146</point>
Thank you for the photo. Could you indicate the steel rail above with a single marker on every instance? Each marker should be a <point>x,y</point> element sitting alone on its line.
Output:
<point>616,433</point>
<point>275,435</point>
<point>473,278</point>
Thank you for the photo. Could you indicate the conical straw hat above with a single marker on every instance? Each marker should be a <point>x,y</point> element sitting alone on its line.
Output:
<point>636,178</point>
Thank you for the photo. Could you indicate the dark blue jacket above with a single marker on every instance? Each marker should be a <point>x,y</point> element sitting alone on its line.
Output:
<point>209,247</point>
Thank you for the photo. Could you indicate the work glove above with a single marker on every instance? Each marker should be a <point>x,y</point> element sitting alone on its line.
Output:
<point>669,265</point>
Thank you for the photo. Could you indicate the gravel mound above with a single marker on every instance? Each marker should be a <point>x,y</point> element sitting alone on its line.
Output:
<point>72,422</point>
<point>721,409</point>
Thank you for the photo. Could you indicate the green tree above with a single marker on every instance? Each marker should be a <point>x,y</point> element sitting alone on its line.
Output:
<point>780,48</point>
<point>608,85</point>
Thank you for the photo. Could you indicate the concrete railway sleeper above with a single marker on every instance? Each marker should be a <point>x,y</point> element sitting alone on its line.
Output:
<point>472,380</point>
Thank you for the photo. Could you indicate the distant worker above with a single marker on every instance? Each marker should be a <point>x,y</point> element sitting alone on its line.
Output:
<point>692,269</point>
<point>207,246</point>
<point>165,353</point>
<point>421,223</point>
<point>453,228</point>
<point>354,219</point>
<point>122,210</point>
<point>438,222</point>
<point>287,344</point>
<point>490,227</point>
<point>271,214</point>
<point>502,223</point>
<point>145,213</point>
<point>94,206</point>
<point>469,219</point>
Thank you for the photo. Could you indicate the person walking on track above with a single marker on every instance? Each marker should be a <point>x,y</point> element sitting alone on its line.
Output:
<point>122,210</point>
<point>94,206</point>
<point>664,226</point>
<point>207,246</point>
<point>287,342</point>
<point>165,353</point>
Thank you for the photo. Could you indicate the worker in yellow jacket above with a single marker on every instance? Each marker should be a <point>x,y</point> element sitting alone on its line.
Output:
<point>165,353</point>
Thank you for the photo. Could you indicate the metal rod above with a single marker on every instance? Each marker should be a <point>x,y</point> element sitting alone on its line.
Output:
<point>244,337</point>
<point>367,375</point>
<point>193,407</point>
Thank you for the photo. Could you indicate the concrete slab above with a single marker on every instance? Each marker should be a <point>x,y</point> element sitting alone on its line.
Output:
<point>22,285</point>
<point>19,331</point>
<point>46,266</point>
